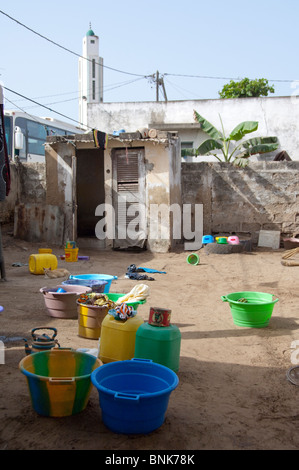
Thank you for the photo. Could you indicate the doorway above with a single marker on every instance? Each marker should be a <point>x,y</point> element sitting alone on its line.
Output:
<point>90,189</point>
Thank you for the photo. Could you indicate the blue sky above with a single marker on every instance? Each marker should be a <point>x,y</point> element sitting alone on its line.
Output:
<point>229,39</point>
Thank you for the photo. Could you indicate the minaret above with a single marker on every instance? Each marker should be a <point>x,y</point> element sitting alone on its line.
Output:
<point>90,75</point>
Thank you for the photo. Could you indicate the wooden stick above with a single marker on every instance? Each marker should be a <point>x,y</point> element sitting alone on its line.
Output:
<point>290,263</point>
<point>290,253</point>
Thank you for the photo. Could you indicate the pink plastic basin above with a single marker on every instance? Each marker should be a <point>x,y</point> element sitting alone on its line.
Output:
<point>63,304</point>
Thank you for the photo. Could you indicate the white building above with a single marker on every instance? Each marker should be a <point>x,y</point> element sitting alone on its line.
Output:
<point>90,75</point>
<point>276,116</point>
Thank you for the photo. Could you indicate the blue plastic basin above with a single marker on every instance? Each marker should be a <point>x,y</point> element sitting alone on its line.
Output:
<point>96,277</point>
<point>96,286</point>
<point>134,394</point>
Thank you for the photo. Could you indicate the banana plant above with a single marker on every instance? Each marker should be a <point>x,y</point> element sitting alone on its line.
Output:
<point>240,152</point>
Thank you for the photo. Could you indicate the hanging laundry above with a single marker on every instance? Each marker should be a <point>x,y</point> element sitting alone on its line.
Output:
<point>100,139</point>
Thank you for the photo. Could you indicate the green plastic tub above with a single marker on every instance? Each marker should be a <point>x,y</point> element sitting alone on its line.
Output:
<point>251,309</point>
<point>114,297</point>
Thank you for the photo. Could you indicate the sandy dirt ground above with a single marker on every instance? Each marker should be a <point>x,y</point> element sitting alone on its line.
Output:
<point>233,392</point>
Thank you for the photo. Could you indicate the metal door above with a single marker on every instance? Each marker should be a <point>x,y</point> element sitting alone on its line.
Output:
<point>128,198</point>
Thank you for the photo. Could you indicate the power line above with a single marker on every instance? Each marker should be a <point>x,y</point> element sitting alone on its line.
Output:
<point>154,77</point>
<point>181,90</point>
<point>21,109</point>
<point>54,102</point>
<point>219,78</point>
<point>130,73</point>
<point>65,48</point>
<point>43,106</point>
<point>51,96</point>
<point>106,88</point>
<point>119,85</point>
<point>73,99</point>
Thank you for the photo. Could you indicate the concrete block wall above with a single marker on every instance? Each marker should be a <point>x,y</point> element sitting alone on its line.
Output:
<point>262,196</point>
<point>28,185</point>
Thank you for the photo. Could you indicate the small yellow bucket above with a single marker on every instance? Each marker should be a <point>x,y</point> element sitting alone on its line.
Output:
<point>71,254</point>
<point>44,250</point>
<point>90,318</point>
<point>37,262</point>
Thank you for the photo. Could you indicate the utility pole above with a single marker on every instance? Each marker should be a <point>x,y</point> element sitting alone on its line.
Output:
<point>159,83</point>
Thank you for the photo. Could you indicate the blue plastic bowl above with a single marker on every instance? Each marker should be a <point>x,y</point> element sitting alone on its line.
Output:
<point>96,277</point>
<point>207,239</point>
<point>134,394</point>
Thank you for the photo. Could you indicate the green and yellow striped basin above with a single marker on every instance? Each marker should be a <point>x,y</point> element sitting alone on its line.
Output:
<point>59,380</point>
